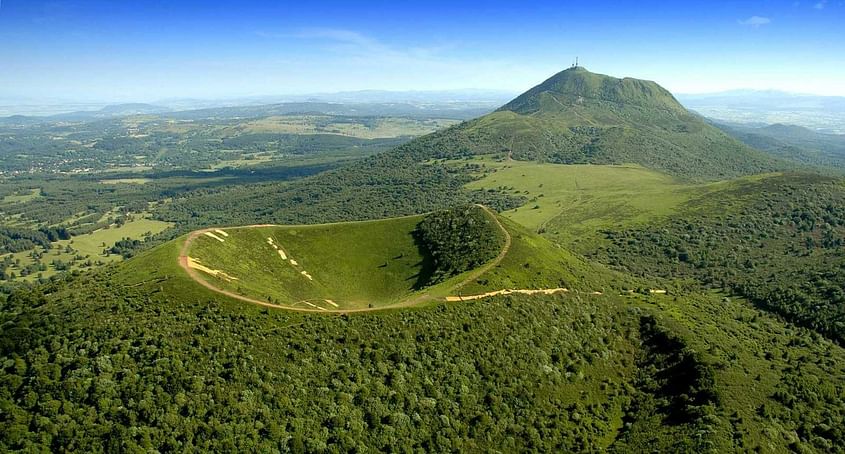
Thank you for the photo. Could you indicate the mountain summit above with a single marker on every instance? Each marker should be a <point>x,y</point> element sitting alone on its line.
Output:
<point>577,86</point>
<point>579,117</point>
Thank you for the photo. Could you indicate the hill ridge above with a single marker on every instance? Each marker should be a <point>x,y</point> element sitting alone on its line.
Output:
<point>578,117</point>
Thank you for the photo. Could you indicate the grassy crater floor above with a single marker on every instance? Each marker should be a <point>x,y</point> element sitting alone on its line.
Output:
<point>320,267</point>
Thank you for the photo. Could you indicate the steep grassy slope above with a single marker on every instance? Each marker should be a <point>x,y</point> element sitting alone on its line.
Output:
<point>577,117</point>
<point>533,262</point>
<point>349,264</point>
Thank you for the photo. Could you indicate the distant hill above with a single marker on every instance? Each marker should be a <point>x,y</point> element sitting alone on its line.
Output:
<point>457,110</point>
<point>792,142</point>
<point>110,111</point>
<point>578,117</point>
<point>758,108</point>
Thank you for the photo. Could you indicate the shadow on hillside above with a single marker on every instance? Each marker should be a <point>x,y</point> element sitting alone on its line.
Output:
<point>426,265</point>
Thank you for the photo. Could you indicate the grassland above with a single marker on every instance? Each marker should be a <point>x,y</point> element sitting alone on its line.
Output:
<point>566,202</point>
<point>347,265</point>
<point>85,251</point>
<point>533,262</point>
<point>572,204</point>
<point>22,196</point>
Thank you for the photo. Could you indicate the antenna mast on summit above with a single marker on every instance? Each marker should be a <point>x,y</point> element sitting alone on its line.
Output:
<point>576,62</point>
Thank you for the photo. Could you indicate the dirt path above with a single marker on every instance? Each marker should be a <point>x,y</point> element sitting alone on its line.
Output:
<point>417,299</point>
<point>543,291</point>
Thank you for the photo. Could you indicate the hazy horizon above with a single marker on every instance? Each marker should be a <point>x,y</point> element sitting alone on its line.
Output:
<point>299,96</point>
<point>99,50</point>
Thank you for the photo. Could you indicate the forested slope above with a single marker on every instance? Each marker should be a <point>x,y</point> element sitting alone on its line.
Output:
<point>777,241</point>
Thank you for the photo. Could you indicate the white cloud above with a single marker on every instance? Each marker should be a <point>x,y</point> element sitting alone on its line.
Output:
<point>756,21</point>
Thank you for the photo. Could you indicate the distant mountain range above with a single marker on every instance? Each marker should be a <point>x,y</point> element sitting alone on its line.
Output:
<point>438,100</point>
<point>795,143</point>
<point>758,108</point>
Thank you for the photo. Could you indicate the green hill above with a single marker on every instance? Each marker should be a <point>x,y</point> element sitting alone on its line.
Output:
<point>346,265</point>
<point>142,358</point>
<point>578,117</point>
<point>366,265</point>
<point>826,152</point>
<point>578,87</point>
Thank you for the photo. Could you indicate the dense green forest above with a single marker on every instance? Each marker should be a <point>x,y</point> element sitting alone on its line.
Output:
<point>390,184</point>
<point>103,363</point>
<point>16,239</point>
<point>778,242</point>
<point>147,373</point>
<point>458,240</point>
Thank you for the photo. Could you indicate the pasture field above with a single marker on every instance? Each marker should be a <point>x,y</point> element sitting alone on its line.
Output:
<point>21,196</point>
<point>85,251</point>
<point>572,204</point>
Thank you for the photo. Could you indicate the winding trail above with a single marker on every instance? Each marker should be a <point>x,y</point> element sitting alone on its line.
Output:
<point>412,301</point>
<point>542,291</point>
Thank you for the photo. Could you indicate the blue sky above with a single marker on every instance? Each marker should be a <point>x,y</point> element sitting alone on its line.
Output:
<point>152,49</point>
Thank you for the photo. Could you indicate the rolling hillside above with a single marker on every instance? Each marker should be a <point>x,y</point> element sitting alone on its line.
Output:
<point>362,266</point>
<point>578,117</point>
<point>142,356</point>
<point>343,266</point>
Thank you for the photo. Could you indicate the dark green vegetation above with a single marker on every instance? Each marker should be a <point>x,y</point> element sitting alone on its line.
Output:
<point>459,240</point>
<point>229,378</point>
<point>777,241</point>
<point>139,358</point>
<point>675,390</point>
<point>701,317</point>
<point>385,185</point>
<point>16,240</point>
<point>577,117</point>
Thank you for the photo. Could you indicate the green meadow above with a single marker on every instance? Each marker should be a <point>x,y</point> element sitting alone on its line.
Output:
<point>351,265</point>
